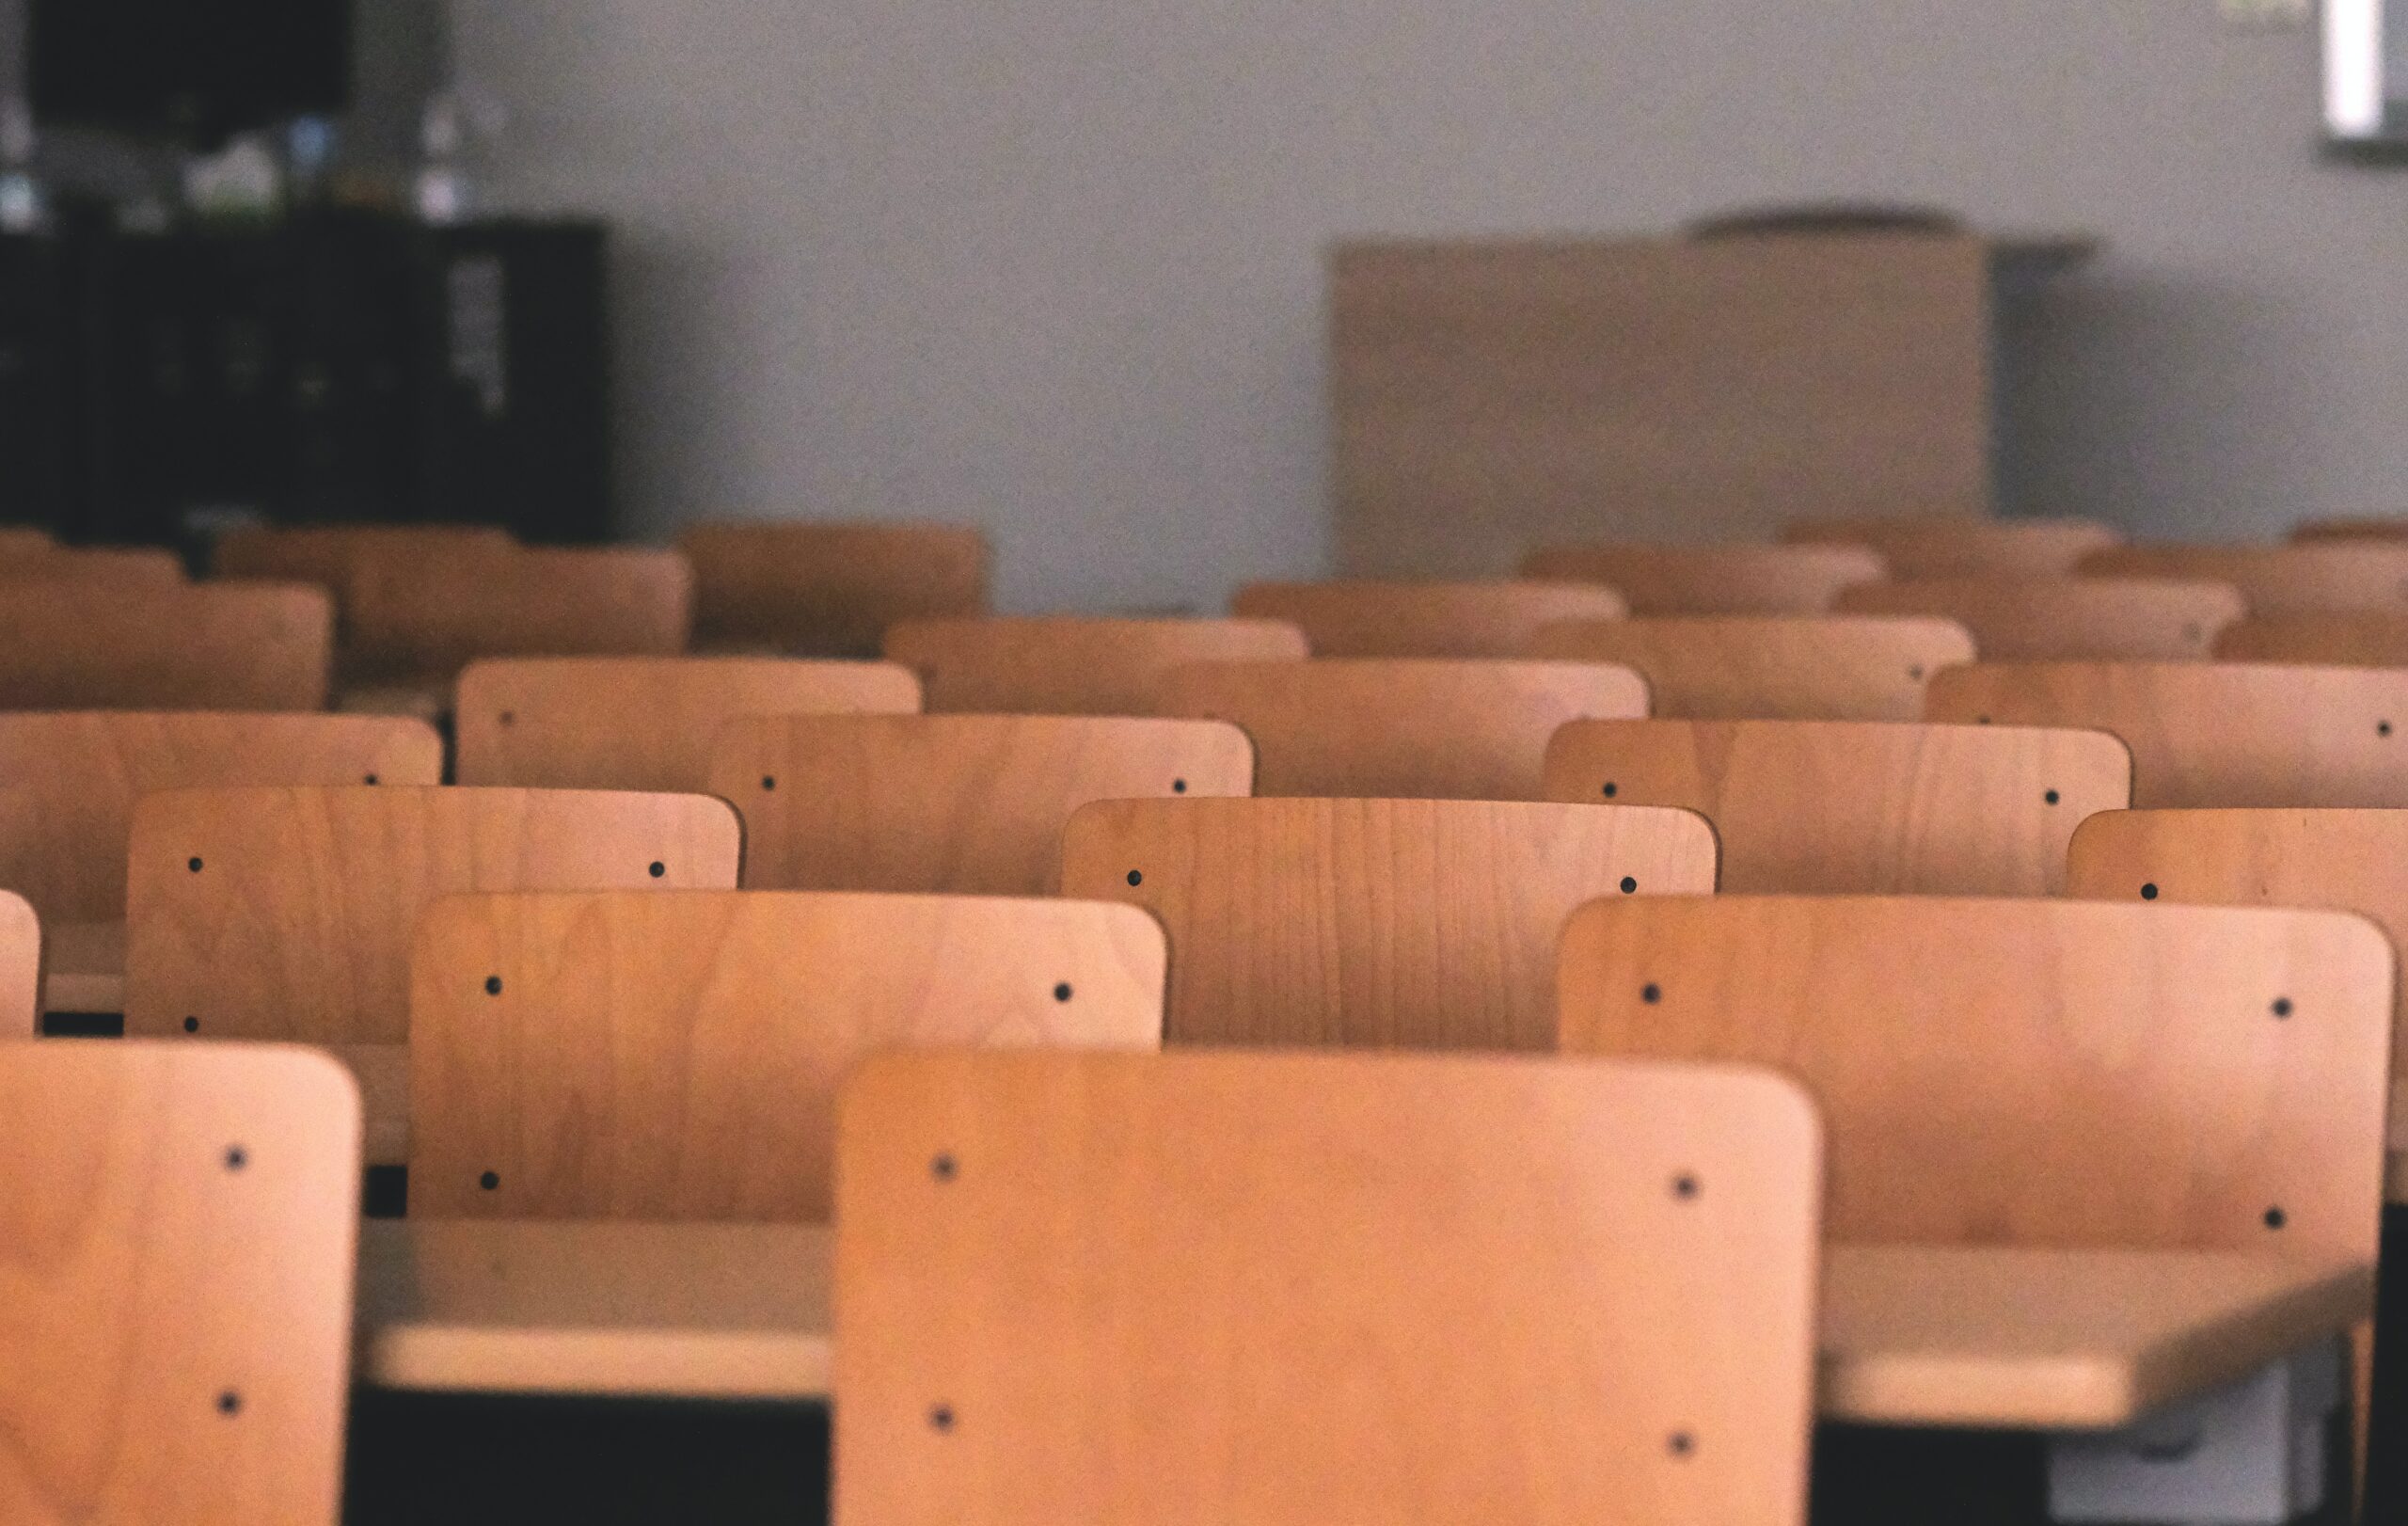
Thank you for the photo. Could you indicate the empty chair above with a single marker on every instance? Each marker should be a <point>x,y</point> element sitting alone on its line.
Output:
<point>1297,1289</point>
<point>180,647</point>
<point>345,560</point>
<point>1772,668</point>
<point>1473,729</point>
<point>609,601</point>
<point>1714,579</point>
<point>1862,807</point>
<point>969,804</point>
<point>1921,546</point>
<point>1425,619</point>
<point>1373,923</point>
<point>626,1055</point>
<point>179,1267</point>
<point>97,568</point>
<point>20,968</point>
<point>2355,639</point>
<point>643,723</point>
<point>2276,580</point>
<point>2049,619</point>
<point>830,590</point>
<point>2030,1073</point>
<point>2211,733</point>
<point>1070,665</point>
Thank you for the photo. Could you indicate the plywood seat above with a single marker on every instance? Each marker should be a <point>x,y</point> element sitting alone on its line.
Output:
<point>829,589</point>
<point>1714,579</point>
<point>430,618</point>
<point>1069,664</point>
<point>2276,580</point>
<point>1771,667</point>
<point>165,646</point>
<point>1921,546</point>
<point>1370,618</point>
<point>2014,619</point>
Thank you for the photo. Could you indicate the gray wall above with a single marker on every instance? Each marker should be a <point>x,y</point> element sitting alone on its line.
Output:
<point>1056,265</point>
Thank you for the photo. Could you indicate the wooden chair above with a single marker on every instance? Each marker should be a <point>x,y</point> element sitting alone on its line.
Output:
<point>626,1055</point>
<point>1772,668</point>
<point>1067,665</point>
<point>1297,1289</point>
<point>2276,580</point>
<point>830,590</point>
<point>179,1263</point>
<point>2066,619</point>
<point>345,559</point>
<point>2211,733</point>
<point>1714,579</point>
<point>1373,923</point>
<point>962,805</point>
<point>1924,546</point>
<point>2030,1073</point>
<point>19,972</point>
<point>197,647</point>
<point>96,567</point>
<point>1425,619</point>
<point>287,913</point>
<point>2379,528</point>
<point>23,542</point>
<point>2357,639</point>
<point>644,722</point>
<point>1473,729</point>
<point>599,601</point>
<point>1836,807</point>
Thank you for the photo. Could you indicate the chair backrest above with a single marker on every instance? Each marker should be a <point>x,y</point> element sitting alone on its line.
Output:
<point>346,558</point>
<point>1920,546</point>
<point>98,567</point>
<point>183,647</point>
<point>2030,1073</point>
<point>1859,807</point>
<point>965,804</point>
<point>599,601</point>
<point>1714,579</point>
<point>2349,639</point>
<point>1297,1289</point>
<point>644,722</point>
<point>830,590</point>
<point>69,781</point>
<point>1404,728</point>
<point>2045,619</point>
<point>1773,667</point>
<point>1072,665</point>
<point>1425,619</point>
<point>177,1232</point>
<point>1414,924</point>
<point>2211,733</point>
<point>626,1055</point>
<point>2276,580</point>
<point>21,968</point>
<point>23,542</point>
<point>2384,527</point>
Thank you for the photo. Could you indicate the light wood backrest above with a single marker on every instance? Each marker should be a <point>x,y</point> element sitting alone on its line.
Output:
<point>21,968</point>
<point>604,601</point>
<point>1072,665</point>
<point>2045,619</point>
<point>2276,580</point>
<point>1922,545</point>
<point>1297,1289</point>
<point>2352,639</point>
<point>287,913</point>
<point>1836,807</point>
<point>644,722</point>
<point>1425,619</point>
<point>2376,528</point>
<point>1770,667</point>
<point>1714,579</point>
<point>185,646</point>
<point>1436,728</point>
<point>98,567</point>
<point>345,560</point>
<point>626,1055</point>
<point>830,590</point>
<point>1413,924</point>
<point>177,1234</point>
<point>2211,733</point>
<point>69,781</point>
<point>2030,1073</point>
<point>965,805</point>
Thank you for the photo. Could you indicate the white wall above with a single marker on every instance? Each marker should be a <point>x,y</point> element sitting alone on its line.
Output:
<point>1056,265</point>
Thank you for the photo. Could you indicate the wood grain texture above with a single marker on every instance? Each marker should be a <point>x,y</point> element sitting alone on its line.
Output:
<point>2355,639</point>
<point>1366,618</point>
<point>176,1251</point>
<point>1507,1308</point>
<point>2051,619</point>
<point>829,589</point>
<point>2276,580</point>
<point>2211,733</point>
<point>1922,545</point>
<point>432,617</point>
<point>192,646</point>
<point>643,723</point>
<point>1374,923</point>
<point>965,804</point>
<point>2030,1073</point>
<point>1772,668</point>
<point>630,1054</point>
<point>1069,664</point>
<point>1738,579</point>
<point>1859,807</point>
<point>21,968</point>
<point>1401,727</point>
<point>69,781</point>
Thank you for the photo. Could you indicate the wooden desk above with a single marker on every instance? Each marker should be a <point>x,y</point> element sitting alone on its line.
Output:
<point>1912,1336</point>
<point>84,967</point>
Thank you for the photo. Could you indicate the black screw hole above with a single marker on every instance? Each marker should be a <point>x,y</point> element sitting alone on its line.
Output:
<point>1136,878</point>
<point>229,1403</point>
<point>192,1024</point>
<point>369,779</point>
<point>942,1169</point>
<point>1062,991</point>
<point>1651,993</point>
<point>1684,1188</point>
<point>1629,885</point>
<point>2148,892</point>
<point>193,863</point>
<point>2277,1218</point>
<point>489,1181</point>
<point>768,780</point>
<point>1179,786</point>
<point>2051,797</point>
<point>1981,720</point>
<point>493,985</point>
<point>2282,1006</point>
<point>507,716</point>
<point>940,1418</point>
<point>1680,1443</point>
<point>2382,728</point>
<point>659,868</point>
<point>236,1158</point>
<point>1612,790</point>
<point>1915,672</point>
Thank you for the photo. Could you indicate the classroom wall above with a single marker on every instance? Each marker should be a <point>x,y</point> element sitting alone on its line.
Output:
<point>1056,265</point>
